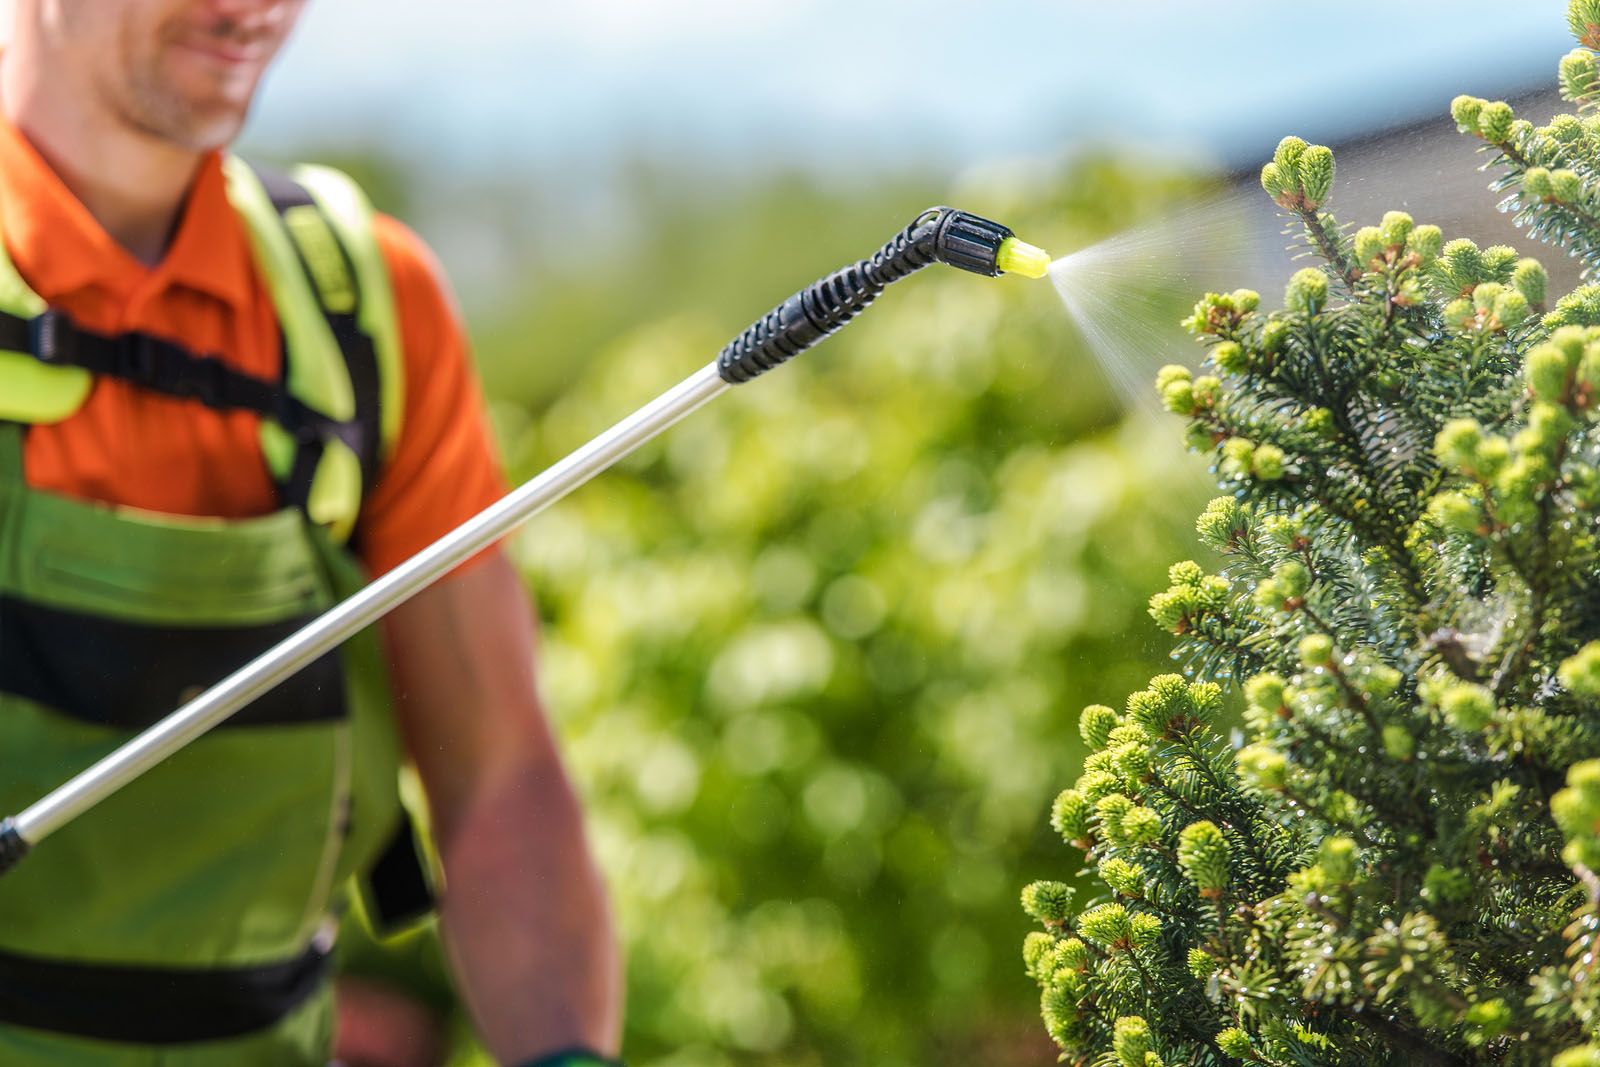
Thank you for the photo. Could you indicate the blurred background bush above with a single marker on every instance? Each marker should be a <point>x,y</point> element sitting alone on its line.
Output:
<point>817,655</point>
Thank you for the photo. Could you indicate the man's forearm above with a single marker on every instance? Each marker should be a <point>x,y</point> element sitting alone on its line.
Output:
<point>525,914</point>
<point>526,920</point>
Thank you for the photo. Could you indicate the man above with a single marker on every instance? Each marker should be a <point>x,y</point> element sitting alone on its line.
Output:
<point>115,209</point>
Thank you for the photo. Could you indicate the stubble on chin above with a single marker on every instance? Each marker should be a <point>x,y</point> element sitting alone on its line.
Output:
<point>148,101</point>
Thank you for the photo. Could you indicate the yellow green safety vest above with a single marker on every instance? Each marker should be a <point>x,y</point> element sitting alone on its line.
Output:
<point>185,922</point>
<point>326,426</point>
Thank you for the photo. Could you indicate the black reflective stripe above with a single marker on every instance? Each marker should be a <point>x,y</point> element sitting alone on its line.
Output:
<point>154,1005</point>
<point>130,675</point>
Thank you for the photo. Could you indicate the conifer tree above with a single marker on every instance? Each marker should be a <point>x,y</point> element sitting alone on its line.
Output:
<point>1398,860</point>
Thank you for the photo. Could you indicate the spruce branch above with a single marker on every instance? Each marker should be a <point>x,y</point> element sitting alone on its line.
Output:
<point>1320,227</point>
<point>1418,1047</point>
<point>1377,876</point>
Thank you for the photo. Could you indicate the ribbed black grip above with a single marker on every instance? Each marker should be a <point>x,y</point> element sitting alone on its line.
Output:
<point>940,234</point>
<point>12,846</point>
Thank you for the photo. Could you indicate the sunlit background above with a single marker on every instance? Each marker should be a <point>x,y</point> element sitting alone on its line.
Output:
<point>818,656</point>
<point>565,108</point>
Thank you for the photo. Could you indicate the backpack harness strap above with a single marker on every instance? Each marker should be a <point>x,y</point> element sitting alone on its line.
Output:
<point>346,219</point>
<point>321,475</point>
<point>166,367</point>
<point>327,267</point>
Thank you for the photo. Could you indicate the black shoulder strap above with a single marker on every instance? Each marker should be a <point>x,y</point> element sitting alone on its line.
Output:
<point>333,279</point>
<point>164,366</point>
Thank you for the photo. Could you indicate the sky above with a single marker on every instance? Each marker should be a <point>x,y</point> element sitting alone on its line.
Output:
<point>571,87</point>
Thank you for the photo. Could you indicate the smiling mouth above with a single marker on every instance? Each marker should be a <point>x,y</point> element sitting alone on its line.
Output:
<point>225,53</point>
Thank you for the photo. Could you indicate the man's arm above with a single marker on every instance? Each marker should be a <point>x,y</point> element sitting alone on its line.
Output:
<point>524,911</point>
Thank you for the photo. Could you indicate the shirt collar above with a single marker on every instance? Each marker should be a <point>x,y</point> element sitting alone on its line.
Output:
<point>59,247</point>
<point>210,251</point>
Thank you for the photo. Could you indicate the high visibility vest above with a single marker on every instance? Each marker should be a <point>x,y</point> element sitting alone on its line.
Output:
<point>185,920</point>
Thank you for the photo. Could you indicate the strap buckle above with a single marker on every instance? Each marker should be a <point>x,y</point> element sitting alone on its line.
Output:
<point>203,379</point>
<point>137,354</point>
<point>297,420</point>
<point>44,333</point>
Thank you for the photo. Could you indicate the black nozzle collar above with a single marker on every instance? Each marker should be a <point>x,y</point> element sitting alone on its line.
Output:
<point>970,242</point>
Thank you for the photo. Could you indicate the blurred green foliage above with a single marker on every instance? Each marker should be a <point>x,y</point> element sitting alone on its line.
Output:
<point>817,655</point>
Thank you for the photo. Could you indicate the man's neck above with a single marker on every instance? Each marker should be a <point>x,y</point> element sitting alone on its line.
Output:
<point>132,183</point>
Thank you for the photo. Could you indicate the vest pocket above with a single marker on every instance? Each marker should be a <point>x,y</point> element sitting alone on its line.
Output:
<point>222,855</point>
<point>125,564</point>
<point>226,853</point>
<point>147,593</point>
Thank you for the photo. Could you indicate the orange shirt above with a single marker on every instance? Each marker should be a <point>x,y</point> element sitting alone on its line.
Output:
<point>132,447</point>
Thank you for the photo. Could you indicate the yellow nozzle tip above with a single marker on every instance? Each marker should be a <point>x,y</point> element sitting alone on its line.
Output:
<point>1019,257</point>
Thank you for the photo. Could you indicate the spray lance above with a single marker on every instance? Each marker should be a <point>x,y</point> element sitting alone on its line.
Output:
<point>938,235</point>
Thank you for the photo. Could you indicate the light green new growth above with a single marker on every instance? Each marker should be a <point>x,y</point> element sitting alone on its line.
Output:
<point>1398,862</point>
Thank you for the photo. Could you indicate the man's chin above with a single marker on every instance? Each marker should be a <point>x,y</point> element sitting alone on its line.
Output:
<point>215,137</point>
<point>197,131</point>
<point>194,114</point>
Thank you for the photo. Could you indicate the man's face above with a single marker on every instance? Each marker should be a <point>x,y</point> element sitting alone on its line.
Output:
<point>183,71</point>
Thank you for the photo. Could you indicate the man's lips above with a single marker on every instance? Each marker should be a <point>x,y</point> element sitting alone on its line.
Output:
<point>231,53</point>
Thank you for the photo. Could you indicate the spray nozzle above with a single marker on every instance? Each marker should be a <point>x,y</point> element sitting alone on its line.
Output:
<point>980,245</point>
<point>938,235</point>
<point>1017,256</point>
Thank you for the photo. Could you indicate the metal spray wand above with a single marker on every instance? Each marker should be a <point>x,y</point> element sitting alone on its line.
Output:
<point>938,235</point>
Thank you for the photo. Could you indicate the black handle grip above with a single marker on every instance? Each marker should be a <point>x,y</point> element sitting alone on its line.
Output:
<point>12,846</point>
<point>938,235</point>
